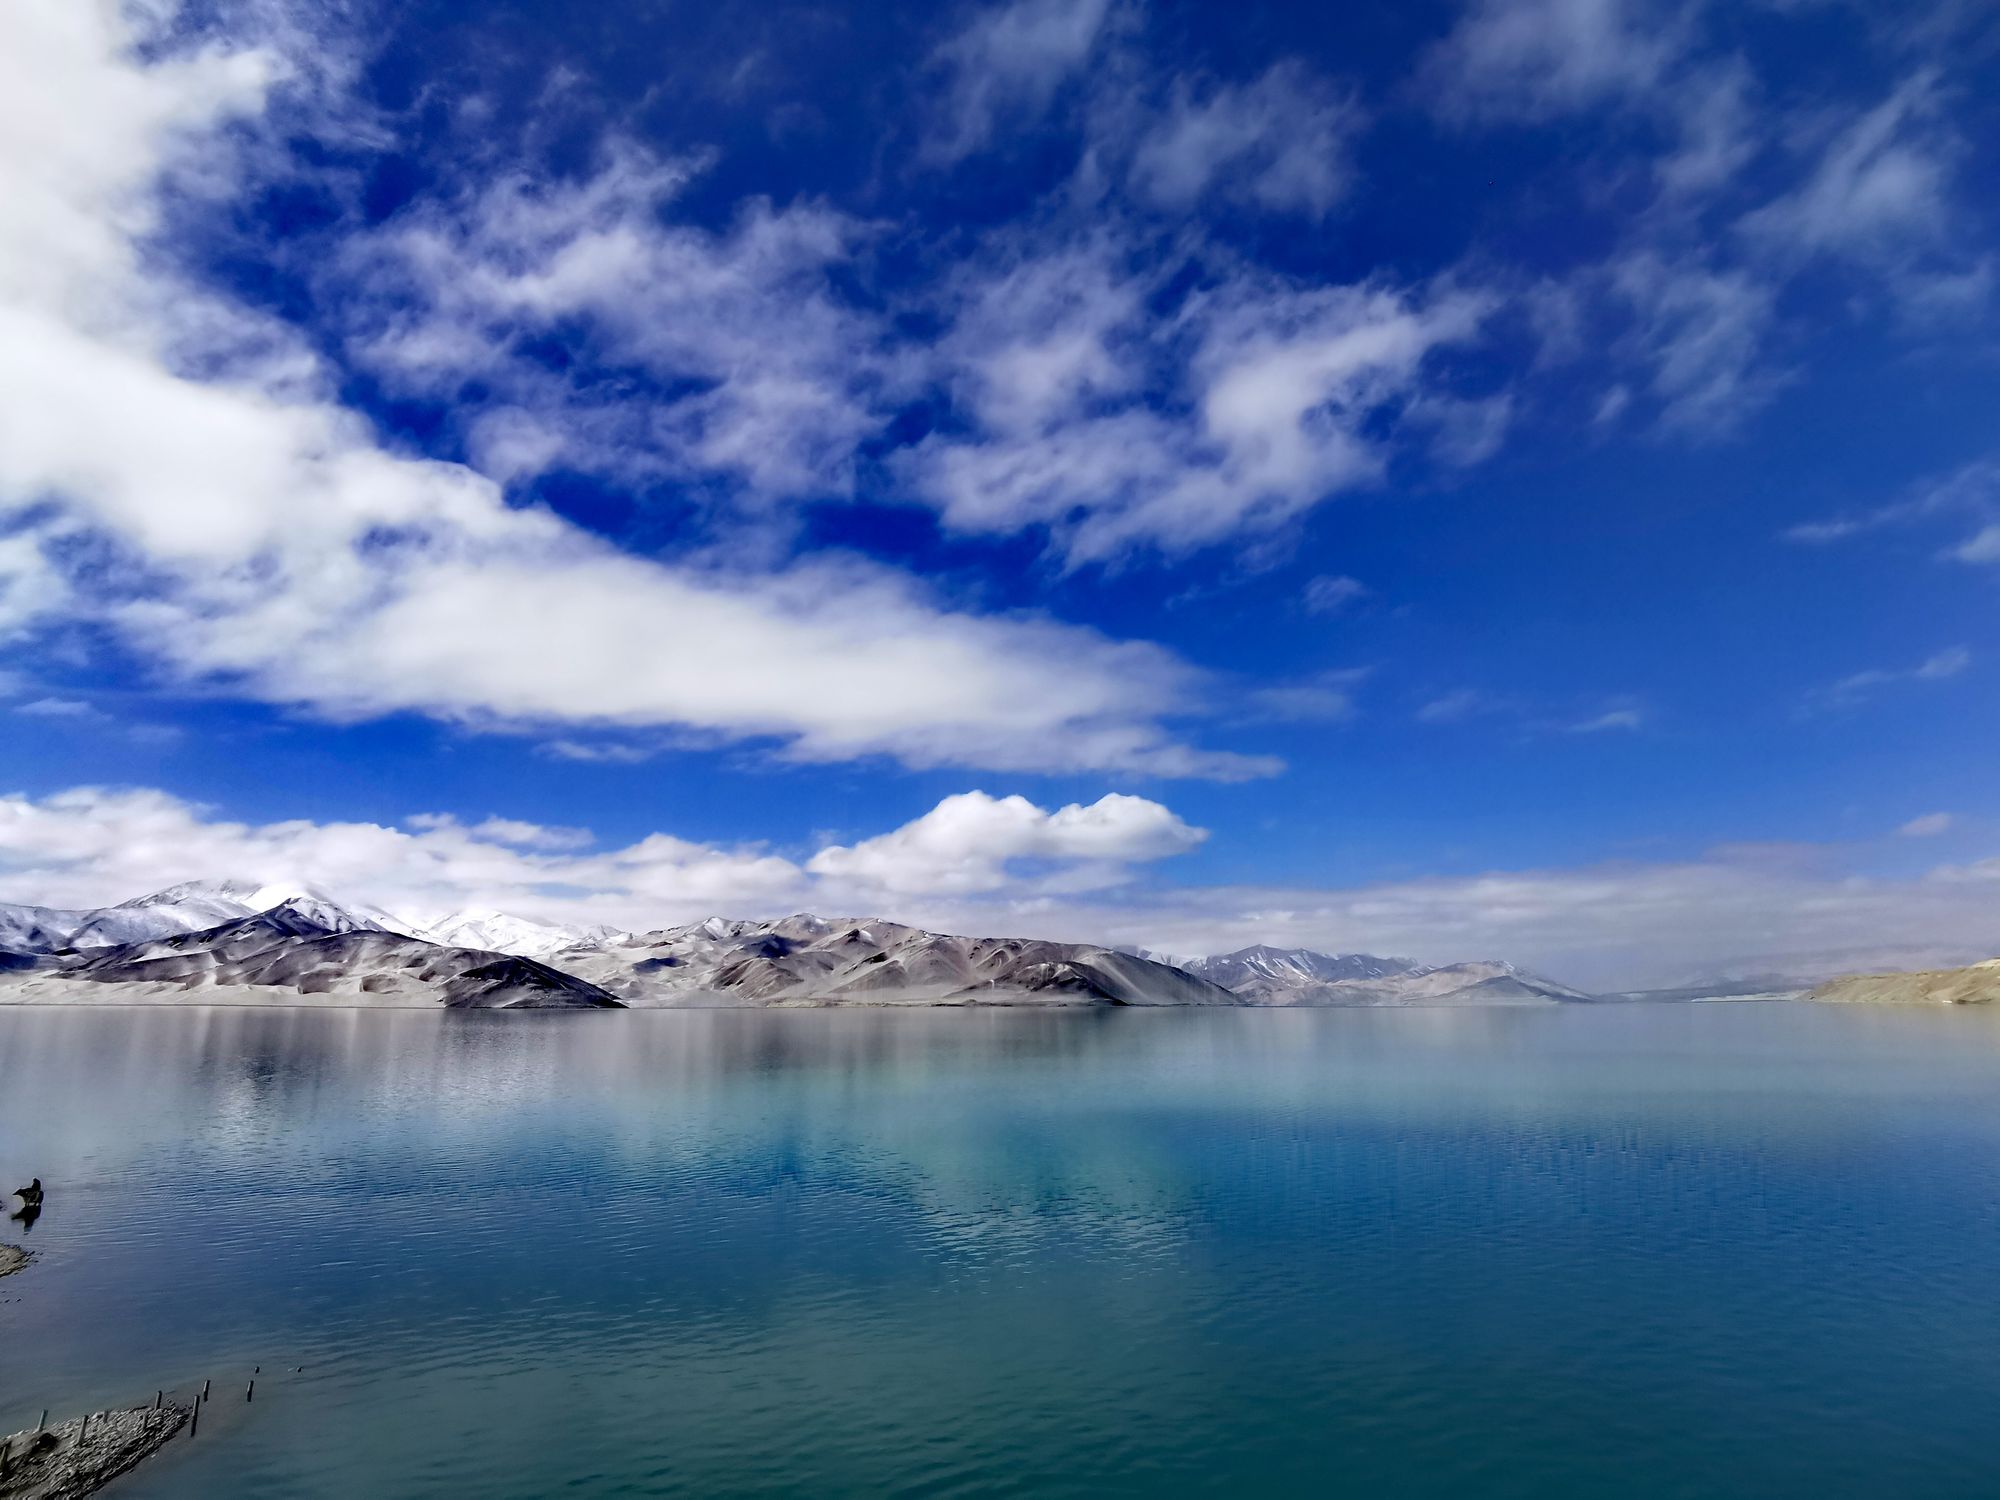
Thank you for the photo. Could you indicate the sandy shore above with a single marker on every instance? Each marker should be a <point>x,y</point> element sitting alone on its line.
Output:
<point>12,1258</point>
<point>81,1456</point>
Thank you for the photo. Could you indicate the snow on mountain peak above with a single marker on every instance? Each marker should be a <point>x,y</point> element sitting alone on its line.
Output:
<point>502,932</point>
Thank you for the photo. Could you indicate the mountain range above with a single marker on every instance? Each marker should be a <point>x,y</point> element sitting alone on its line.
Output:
<point>206,939</point>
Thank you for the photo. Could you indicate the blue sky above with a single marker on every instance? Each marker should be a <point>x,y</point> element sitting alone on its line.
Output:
<point>1514,478</point>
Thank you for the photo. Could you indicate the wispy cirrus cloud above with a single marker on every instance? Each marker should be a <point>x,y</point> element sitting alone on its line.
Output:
<point>1971,491</point>
<point>1534,59</point>
<point>1007,65</point>
<point>1280,142</point>
<point>1858,686</point>
<point>1928,826</point>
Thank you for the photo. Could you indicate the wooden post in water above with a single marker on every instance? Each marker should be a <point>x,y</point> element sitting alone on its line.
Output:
<point>194,1425</point>
<point>204,1390</point>
<point>157,1395</point>
<point>83,1431</point>
<point>45,1420</point>
<point>250,1390</point>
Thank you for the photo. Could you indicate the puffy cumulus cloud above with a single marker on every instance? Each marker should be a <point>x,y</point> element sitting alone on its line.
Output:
<point>967,843</point>
<point>1007,66</point>
<point>246,531</point>
<point>1115,426</point>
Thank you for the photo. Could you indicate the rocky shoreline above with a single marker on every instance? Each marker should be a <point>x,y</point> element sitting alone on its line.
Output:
<point>81,1456</point>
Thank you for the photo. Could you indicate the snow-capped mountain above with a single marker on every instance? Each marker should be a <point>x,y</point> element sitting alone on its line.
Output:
<point>1299,976</point>
<point>285,951</point>
<point>805,959</point>
<point>1278,969</point>
<point>210,939</point>
<point>37,929</point>
<point>501,932</point>
<point>193,906</point>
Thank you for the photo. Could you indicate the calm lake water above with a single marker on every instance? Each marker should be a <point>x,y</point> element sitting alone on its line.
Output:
<point>1689,1250</point>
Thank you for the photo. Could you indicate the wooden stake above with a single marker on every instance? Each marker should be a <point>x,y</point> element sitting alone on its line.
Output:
<point>250,1390</point>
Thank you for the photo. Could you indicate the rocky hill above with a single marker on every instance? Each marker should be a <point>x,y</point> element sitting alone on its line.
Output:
<point>1976,984</point>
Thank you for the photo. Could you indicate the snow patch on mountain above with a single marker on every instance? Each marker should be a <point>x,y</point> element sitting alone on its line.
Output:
<point>502,932</point>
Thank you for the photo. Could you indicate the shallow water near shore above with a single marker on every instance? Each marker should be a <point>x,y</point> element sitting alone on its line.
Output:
<point>1640,1250</point>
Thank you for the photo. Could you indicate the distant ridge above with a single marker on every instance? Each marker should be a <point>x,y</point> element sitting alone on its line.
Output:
<point>1263,975</point>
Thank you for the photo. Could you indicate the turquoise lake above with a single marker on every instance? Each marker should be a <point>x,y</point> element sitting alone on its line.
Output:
<point>1634,1251</point>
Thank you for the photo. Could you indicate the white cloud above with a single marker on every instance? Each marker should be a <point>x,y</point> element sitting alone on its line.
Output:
<point>1928,826</point>
<point>1330,593</point>
<point>1458,705</point>
<point>1627,718</point>
<point>1251,404</point>
<point>765,379</point>
<point>1007,66</point>
<point>1609,926</point>
<point>1325,698</point>
<point>513,831</point>
<point>91,846</point>
<point>1278,143</point>
<point>57,708</point>
<point>1973,489</point>
<point>248,533</point>
<point>1533,59</point>
<point>1850,690</point>
<point>1983,546</point>
<point>1702,332</point>
<point>1947,663</point>
<point>1879,187</point>
<point>967,842</point>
